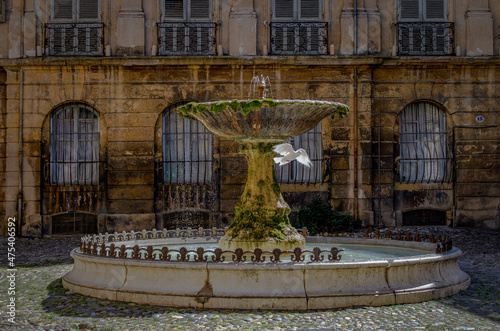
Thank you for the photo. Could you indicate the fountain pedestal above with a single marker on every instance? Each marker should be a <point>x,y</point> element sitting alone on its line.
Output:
<point>261,214</point>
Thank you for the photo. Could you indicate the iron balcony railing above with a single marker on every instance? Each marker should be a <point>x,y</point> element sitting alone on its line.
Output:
<point>74,39</point>
<point>426,38</point>
<point>186,38</point>
<point>290,38</point>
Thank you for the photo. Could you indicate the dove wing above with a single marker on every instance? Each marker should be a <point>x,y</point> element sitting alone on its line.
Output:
<point>304,158</point>
<point>283,149</point>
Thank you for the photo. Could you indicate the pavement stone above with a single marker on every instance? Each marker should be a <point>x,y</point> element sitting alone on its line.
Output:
<point>43,304</point>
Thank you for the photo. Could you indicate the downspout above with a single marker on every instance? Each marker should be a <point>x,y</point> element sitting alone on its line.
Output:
<point>20,152</point>
<point>355,27</point>
<point>355,140</point>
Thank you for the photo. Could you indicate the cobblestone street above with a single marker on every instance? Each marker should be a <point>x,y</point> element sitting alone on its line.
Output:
<point>43,304</point>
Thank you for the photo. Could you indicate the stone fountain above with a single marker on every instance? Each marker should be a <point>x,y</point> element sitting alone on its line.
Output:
<point>261,213</point>
<point>259,262</point>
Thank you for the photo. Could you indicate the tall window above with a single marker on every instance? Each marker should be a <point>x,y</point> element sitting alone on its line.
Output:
<point>298,10</point>
<point>297,28</point>
<point>187,10</point>
<point>422,29</point>
<point>75,29</point>
<point>295,172</point>
<point>187,150</point>
<point>423,144</point>
<point>74,146</point>
<point>76,10</point>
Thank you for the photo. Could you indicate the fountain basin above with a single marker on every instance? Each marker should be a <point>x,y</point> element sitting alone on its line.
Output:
<point>281,286</point>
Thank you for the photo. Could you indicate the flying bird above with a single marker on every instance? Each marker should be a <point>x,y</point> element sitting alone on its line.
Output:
<point>288,155</point>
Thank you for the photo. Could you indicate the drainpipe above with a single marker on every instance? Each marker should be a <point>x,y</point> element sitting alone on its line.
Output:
<point>20,153</point>
<point>355,140</point>
<point>355,27</point>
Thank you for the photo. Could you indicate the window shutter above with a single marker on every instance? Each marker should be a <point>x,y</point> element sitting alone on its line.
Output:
<point>283,8</point>
<point>2,11</point>
<point>434,9</point>
<point>63,9</point>
<point>174,9</point>
<point>89,9</point>
<point>309,9</point>
<point>200,9</point>
<point>409,9</point>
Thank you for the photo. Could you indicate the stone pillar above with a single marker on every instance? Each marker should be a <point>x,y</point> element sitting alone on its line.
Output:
<point>130,34</point>
<point>15,30</point>
<point>347,28</point>
<point>242,28</point>
<point>29,29</point>
<point>373,17</point>
<point>479,28</point>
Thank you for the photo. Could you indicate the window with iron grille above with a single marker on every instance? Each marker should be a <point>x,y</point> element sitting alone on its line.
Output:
<point>75,29</point>
<point>297,28</point>
<point>187,28</point>
<point>422,29</point>
<point>295,172</point>
<point>424,156</point>
<point>74,146</point>
<point>187,150</point>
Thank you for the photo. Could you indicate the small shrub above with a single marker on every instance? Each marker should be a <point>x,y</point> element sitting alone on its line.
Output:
<point>318,217</point>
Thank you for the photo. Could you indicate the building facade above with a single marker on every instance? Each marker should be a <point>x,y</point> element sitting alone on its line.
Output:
<point>89,142</point>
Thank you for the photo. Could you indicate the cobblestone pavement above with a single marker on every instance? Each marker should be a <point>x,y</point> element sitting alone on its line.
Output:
<point>43,304</point>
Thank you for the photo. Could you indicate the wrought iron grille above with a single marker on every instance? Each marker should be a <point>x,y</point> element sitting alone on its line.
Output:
<point>426,38</point>
<point>424,150</point>
<point>295,172</point>
<point>74,146</point>
<point>291,38</point>
<point>186,38</point>
<point>74,39</point>
<point>74,223</point>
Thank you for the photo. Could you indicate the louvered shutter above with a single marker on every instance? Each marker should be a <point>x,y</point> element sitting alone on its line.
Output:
<point>63,9</point>
<point>2,11</point>
<point>174,9</point>
<point>200,9</point>
<point>88,9</point>
<point>283,8</point>
<point>409,9</point>
<point>309,9</point>
<point>434,9</point>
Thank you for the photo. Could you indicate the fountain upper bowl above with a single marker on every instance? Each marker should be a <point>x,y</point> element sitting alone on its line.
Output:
<point>261,119</point>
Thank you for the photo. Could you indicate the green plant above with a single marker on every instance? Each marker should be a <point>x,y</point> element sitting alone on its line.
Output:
<point>318,217</point>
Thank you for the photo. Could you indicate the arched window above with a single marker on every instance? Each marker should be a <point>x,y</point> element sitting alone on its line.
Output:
<point>187,150</point>
<point>423,153</point>
<point>74,145</point>
<point>295,172</point>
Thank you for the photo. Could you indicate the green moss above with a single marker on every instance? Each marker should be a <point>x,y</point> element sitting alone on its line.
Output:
<point>218,107</point>
<point>255,104</point>
<point>258,224</point>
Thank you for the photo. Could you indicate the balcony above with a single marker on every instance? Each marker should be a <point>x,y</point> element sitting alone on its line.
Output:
<point>186,39</point>
<point>299,38</point>
<point>74,39</point>
<point>426,38</point>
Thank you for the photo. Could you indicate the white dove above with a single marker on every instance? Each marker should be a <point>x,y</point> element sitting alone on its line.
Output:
<point>288,155</point>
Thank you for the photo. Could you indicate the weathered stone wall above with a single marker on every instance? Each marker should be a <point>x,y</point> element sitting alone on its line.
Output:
<point>131,94</point>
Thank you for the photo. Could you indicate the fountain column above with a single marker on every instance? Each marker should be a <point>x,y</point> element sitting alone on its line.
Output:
<point>261,214</point>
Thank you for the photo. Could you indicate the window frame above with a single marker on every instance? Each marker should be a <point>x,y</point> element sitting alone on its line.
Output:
<point>187,143</point>
<point>297,17</point>
<point>187,13</point>
<point>422,9</point>
<point>59,165</point>
<point>76,13</point>
<point>424,154</point>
